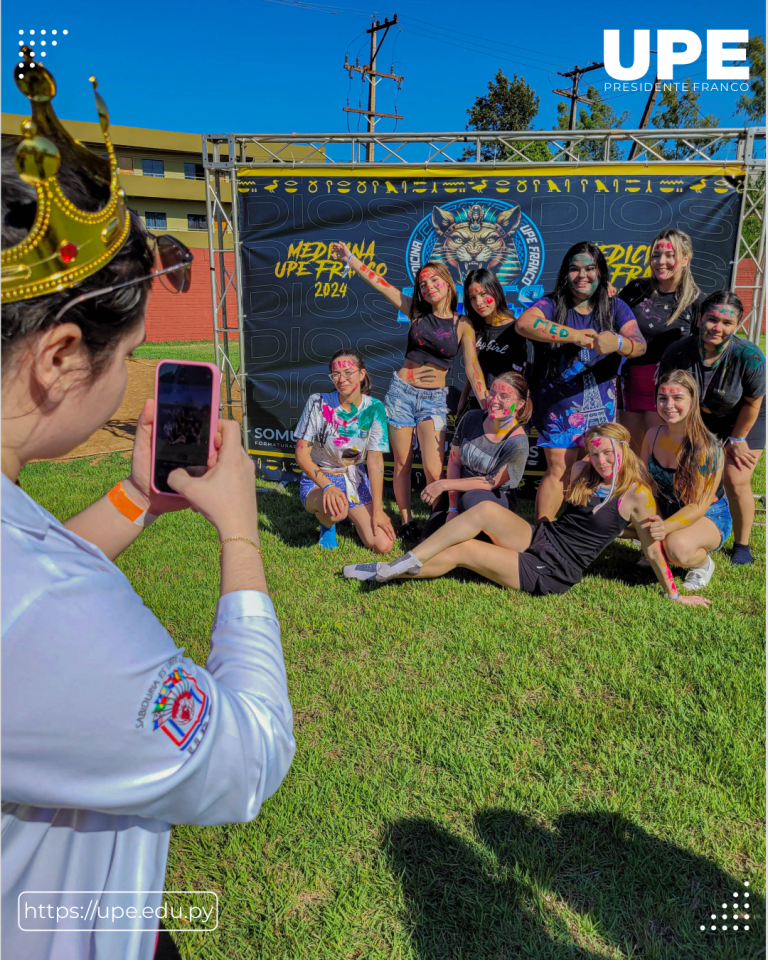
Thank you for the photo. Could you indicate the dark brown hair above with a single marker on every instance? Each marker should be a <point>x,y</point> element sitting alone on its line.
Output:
<point>421,307</point>
<point>104,320</point>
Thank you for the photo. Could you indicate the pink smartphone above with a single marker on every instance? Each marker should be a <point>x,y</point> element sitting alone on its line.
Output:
<point>187,397</point>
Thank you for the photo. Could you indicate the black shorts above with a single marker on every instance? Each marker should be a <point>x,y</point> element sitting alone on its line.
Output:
<point>542,568</point>
<point>722,427</point>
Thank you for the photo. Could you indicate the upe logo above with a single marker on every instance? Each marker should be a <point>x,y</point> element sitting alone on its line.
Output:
<point>717,53</point>
<point>467,235</point>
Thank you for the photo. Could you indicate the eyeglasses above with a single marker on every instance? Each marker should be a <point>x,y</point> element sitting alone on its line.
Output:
<point>344,376</point>
<point>175,267</point>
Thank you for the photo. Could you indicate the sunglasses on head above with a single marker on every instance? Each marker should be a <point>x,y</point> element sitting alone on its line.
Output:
<point>174,269</point>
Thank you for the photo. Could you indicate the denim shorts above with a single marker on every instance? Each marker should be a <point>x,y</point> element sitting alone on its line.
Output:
<point>337,479</point>
<point>719,513</point>
<point>408,406</point>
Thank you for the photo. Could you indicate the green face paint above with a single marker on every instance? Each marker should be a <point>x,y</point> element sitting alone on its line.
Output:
<point>717,327</point>
<point>583,276</point>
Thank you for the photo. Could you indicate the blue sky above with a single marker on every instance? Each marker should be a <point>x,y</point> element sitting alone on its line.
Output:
<point>276,67</point>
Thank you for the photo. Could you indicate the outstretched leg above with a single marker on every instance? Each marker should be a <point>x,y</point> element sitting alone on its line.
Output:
<point>506,529</point>
<point>490,561</point>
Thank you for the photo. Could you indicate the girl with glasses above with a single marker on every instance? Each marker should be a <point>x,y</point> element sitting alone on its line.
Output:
<point>337,433</point>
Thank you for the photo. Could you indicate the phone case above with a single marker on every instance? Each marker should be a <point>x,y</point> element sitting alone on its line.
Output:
<point>215,407</point>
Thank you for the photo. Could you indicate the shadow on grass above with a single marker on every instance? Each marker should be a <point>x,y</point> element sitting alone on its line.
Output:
<point>520,890</point>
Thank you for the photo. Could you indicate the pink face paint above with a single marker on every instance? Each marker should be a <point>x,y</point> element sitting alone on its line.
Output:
<point>664,245</point>
<point>596,442</point>
<point>490,301</point>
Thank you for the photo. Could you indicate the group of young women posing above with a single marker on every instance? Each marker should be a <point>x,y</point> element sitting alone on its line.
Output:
<point>659,357</point>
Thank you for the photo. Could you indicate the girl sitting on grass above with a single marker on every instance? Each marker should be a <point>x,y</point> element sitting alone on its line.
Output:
<point>488,455</point>
<point>685,462</point>
<point>333,436</point>
<point>608,490</point>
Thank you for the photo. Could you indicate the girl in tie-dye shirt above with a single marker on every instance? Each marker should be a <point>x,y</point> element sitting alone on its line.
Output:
<point>337,433</point>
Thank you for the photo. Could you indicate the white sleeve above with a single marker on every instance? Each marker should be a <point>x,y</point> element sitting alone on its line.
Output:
<point>102,711</point>
<point>308,426</point>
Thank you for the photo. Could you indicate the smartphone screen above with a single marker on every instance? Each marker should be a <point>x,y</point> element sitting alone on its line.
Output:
<point>183,421</point>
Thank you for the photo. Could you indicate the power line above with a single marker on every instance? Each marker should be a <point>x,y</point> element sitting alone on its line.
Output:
<point>573,95</point>
<point>368,71</point>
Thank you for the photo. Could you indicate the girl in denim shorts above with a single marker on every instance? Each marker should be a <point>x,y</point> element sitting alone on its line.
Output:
<point>686,462</point>
<point>417,397</point>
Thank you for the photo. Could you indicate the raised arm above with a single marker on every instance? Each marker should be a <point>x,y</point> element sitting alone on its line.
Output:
<point>535,326</point>
<point>642,508</point>
<point>340,251</point>
<point>471,364</point>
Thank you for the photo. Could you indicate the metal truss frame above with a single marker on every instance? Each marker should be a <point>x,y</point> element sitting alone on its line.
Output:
<point>224,154</point>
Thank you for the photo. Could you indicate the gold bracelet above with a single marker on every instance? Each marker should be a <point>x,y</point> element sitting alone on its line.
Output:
<point>245,540</point>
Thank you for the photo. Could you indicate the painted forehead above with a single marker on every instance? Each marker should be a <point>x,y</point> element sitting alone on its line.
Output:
<point>502,390</point>
<point>663,245</point>
<point>427,275</point>
<point>723,311</point>
<point>582,260</point>
<point>342,363</point>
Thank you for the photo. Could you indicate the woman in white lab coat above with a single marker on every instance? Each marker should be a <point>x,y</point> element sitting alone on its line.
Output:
<point>110,732</point>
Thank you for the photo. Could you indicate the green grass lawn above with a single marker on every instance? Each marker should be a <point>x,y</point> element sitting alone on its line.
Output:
<point>187,350</point>
<point>479,774</point>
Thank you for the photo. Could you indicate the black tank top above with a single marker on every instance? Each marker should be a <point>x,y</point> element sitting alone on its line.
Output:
<point>434,340</point>
<point>579,536</point>
<point>664,478</point>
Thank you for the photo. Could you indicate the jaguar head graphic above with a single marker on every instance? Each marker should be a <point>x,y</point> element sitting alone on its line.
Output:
<point>477,236</point>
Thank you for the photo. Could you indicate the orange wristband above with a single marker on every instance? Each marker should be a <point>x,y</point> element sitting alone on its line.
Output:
<point>130,510</point>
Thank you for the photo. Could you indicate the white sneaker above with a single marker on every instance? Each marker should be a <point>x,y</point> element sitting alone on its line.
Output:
<point>361,571</point>
<point>406,566</point>
<point>698,577</point>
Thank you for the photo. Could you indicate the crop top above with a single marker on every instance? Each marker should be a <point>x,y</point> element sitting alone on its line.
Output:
<point>664,478</point>
<point>434,340</point>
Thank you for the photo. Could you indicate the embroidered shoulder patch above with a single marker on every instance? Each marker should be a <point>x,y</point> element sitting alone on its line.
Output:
<point>181,708</point>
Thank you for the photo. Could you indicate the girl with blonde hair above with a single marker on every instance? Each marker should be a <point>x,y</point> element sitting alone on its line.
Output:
<point>608,491</point>
<point>685,462</point>
<point>417,396</point>
<point>666,307</point>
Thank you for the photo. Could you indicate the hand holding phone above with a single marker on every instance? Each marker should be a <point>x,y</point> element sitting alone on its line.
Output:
<point>186,419</point>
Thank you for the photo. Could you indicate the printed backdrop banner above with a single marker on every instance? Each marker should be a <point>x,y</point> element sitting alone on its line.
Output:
<point>300,308</point>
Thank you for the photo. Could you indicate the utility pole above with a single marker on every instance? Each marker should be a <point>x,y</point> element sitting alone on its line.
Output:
<point>369,70</point>
<point>573,94</point>
<point>646,114</point>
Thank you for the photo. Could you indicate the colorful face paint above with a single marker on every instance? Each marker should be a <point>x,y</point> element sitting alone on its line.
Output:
<point>717,327</point>
<point>501,411</point>
<point>583,276</point>
<point>673,404</point>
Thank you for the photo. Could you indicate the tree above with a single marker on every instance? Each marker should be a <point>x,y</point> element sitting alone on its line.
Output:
<point>509,105</point>
<point>599,116</point>
<point>678,110</point>
<point>753,107</point>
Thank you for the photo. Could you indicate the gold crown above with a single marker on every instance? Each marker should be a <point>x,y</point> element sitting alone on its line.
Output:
<point>65,244</point>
